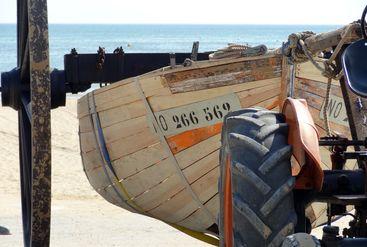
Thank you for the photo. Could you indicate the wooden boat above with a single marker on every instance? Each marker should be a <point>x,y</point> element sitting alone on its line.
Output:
<point>150,144</point>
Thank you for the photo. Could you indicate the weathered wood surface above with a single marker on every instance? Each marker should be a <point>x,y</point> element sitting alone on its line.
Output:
<point>238,73</point>
<point>323,41</point>
<point>137,157</point>
<point>311,85</point>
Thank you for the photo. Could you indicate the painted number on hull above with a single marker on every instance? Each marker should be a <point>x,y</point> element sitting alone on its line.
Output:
<point>196,115</point>
<point>336,111</point>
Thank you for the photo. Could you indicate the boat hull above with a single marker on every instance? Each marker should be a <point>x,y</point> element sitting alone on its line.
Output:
<point>150,144</point>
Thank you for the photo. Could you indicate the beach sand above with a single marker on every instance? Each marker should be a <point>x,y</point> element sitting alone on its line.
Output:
<point>79,215</point>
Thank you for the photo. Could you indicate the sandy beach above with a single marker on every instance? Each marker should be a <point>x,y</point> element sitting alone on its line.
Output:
<point>79,215</point>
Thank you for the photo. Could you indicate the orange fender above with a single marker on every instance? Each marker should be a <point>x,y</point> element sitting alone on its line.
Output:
<point>304,138</point>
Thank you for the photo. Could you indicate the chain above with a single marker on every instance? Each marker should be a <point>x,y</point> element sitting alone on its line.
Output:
<point>101,58</point>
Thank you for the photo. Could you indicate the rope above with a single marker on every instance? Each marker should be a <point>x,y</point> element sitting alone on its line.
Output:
<point>329,71</point>
<point>326,117</point>
<point>237,50</point>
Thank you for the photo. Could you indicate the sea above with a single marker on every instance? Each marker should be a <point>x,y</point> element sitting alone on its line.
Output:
<point>148,38</point>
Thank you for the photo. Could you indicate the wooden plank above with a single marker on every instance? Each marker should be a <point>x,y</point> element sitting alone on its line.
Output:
<point>160,193</point>
<point>121,95</point>
<point>91,160</point>
<point>315,113</point>
<point>87,141</point>
<point>124,129</point>
<point>85,124</point>
<point>315,101</point>
<point>198,151</point>
<point>129,99</point>
<point>156,79</point>
<point>308,71</point>
<point>148,178</point>
<point>116,132</point>
<point>196,65</point>
<point>138,161</point>
<point>176,209</point>
<point>171,186</point>
<point>189,138</point>
<point>127,142</point>
<point>224,75</point>
<point>147,168</point>
<point>115,112</point>
<point>197,221</point>
<point>312,99</point>
<point>151,74</point>
<point>166,102</point>
<point>182,205</point>
<point>148,86</point>
<point>131,144</point>
<point>82,106</point>
<point>114,85</point>
<point>122,113</point>
<point>111,196</point>
<point>101,177</point>
<point>162,174</point>
<point>270,104</point>
<point>212,63</point>
<point>253,97</point>
<point>248,65</point>
<point>201,167</point>
<point>316,87</point>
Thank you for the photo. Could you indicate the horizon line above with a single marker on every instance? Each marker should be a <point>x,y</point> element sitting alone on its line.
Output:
<point>192,24</point>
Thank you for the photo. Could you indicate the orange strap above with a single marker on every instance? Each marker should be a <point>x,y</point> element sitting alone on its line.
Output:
<point>227,197</point>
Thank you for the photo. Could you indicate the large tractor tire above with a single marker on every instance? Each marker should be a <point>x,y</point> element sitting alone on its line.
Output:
<point>255,148</point>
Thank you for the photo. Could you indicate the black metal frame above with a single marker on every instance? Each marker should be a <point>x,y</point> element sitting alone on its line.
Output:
<point>83,70</point>
<point>340,187</point>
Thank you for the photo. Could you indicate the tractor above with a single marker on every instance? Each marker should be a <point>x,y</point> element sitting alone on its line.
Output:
<point>271,168</point>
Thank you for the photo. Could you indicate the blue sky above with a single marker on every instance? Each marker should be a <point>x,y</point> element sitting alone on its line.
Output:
<point>196,11</point>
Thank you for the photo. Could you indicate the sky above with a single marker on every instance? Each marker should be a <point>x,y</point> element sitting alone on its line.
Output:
<point>196,11</point>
